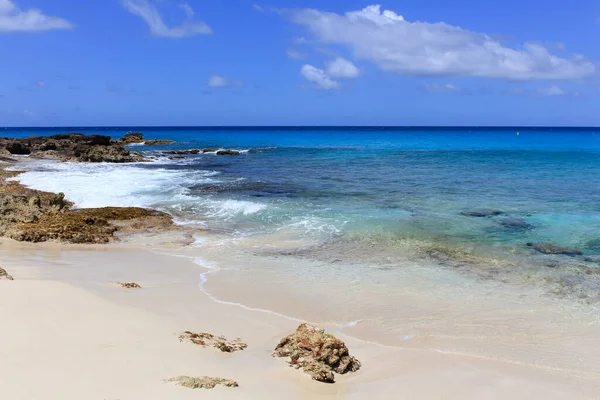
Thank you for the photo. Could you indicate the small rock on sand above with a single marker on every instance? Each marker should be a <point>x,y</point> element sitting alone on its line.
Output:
<point>210,340</point>
<point>319,354</point>
<point>203,382</point>
<point>4,275</point>
<point>129,285</point>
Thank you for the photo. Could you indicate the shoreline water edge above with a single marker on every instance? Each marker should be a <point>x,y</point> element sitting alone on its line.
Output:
<point>482,320</point>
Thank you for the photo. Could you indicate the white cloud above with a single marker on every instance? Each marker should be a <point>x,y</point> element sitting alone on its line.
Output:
<point>13,19</point>
<point>342,68</point>
<point>552,91</point>
<point>40,84</point>
<point>319,78</point>
<point>216,81</point>
<point>294,54</point>
<point>437,88</point>
<point>189,11</point>
<point>433,49</point>
<point>149,13</point>
<point>258,8</point>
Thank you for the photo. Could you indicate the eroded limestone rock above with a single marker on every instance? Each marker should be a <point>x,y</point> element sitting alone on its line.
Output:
<point>203,382</point>
<point>318,353</point>
<point>210,340</point>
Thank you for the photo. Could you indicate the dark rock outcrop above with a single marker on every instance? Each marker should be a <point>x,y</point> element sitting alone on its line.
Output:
<point>319,354</point>
<point>158,142</point>
<point>132,138</point>
<point>17,148</point>
<point>71,147</point>
<point>548,248</point>
<point>228,153</point>
<point>482,213</point>
<point>182,152</point>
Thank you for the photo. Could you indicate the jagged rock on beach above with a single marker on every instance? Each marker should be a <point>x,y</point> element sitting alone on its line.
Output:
<point>548,248</point>
<point>210,340</point>
<point>203,382</point>
<point>482,213</point>
<point>318,353</point>
<point>122,213</point>
<point>129,285</point>
<point>516,224</point>
<point>68,227</point>
<point>4,275</point>
<point>228,153</point>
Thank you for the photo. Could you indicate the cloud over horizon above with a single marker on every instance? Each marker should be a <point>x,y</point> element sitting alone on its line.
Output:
<point>218,81</point>
<point>396,45</point>
<point>13,19</point>
<point>150,14</point>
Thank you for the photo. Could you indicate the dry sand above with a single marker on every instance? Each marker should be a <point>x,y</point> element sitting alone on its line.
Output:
<point>68,331</point>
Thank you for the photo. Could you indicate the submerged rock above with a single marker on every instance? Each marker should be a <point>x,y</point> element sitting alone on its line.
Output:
<point>516,224</point>
<point>319,354</point>
<point>203,382</point>
<point>4,275</point>
<point>210,340</point>
<point>593,245</point>
<point>482,213</point>
<point>548,248</point>
<point>228,153</point>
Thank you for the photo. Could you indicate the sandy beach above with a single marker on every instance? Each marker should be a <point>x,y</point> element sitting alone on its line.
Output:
<point>69,332</point>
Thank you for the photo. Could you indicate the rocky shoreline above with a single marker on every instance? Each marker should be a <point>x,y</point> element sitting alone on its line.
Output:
<point>35,216</point>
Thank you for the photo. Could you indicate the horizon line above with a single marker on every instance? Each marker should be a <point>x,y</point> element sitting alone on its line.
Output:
<point>291,127</point>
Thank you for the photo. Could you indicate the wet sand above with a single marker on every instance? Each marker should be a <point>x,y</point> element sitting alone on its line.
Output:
<point>68,331</point>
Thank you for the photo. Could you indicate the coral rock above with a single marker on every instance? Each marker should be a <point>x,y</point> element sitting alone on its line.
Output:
<point>319,354</point>
<point>203,382</point>
<point>209,340</point>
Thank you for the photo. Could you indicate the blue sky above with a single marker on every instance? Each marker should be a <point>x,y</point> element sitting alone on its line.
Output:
<point>238,62</point>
